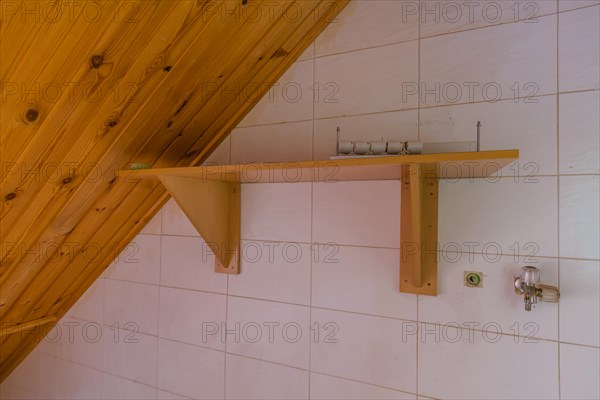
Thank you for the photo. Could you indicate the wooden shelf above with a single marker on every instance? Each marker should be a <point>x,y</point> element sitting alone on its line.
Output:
<point>210,197</point>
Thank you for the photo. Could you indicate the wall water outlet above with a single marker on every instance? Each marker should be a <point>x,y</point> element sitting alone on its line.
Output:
<point>473,279</point>
<point>528,285</point>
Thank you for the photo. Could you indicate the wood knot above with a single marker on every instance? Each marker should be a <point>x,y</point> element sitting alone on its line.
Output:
<point>111,122</point>
<point>67,180</point>
<point>31,115</point>
<point>168,68</point>
<point>279,53</point>
<point>191,153</point>
<point>10,196</point>
<point>181,107</point>
<point>97,60</point>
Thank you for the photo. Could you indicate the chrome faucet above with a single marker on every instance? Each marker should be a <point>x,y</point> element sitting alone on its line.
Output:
<point>528,285</point>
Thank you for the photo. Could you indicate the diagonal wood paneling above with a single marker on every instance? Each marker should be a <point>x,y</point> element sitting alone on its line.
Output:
<point>88,91</point>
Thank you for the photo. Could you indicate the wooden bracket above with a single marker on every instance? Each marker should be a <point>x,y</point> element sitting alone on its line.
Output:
<point>418,229</point>
<point>213,207</point>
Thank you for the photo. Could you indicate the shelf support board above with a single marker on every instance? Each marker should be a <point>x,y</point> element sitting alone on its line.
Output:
<point>418,229</point>
<point>213,207</point>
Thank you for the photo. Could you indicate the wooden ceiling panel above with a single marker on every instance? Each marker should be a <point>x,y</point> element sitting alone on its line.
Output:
<point>142,82</point>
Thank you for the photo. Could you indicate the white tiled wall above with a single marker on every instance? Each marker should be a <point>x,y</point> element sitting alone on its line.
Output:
<point>317,304</point>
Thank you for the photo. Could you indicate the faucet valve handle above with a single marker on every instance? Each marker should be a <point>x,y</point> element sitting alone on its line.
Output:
<point>549,294</point>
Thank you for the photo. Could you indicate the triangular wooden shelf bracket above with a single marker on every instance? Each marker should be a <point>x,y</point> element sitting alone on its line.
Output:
<point>213,208</point>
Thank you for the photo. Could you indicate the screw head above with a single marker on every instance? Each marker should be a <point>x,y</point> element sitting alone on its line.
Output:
<point>473,279</point>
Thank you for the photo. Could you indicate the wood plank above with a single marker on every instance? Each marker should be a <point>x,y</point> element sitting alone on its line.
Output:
<point>56,81</point>
<point>26,326</point>
<point>218,122</point>
<point>79,191</point>
<point>305,40</point>
<point>81,196</point>
<point>29,208</point>
<point>323,17</point>
<point>132,204</point>
<point>447,166</point>
<point>99,145</point>
<point>26,301</point>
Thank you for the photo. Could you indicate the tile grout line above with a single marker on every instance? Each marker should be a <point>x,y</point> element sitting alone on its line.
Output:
<point>363,382</point>
<point>418,323</point>
<point>273,241</point>
<point>158,337</point>
<point>558,185</point>
<point>418,139</point>
<point>225,344</point>
<point>450,324</point>
<point>160,267</point>
<point>457,104</point>
<point>103,319</point>
<point>310,308</point>
<point>311,223</point>
<point>104,371</point>
<point>352,246</point>
<point>157,387</point>
<point>437,35</point>
<point>227,293</point>
<point>270,300</point>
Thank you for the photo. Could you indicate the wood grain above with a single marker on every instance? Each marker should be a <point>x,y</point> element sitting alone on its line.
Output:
<point>64,212</point>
